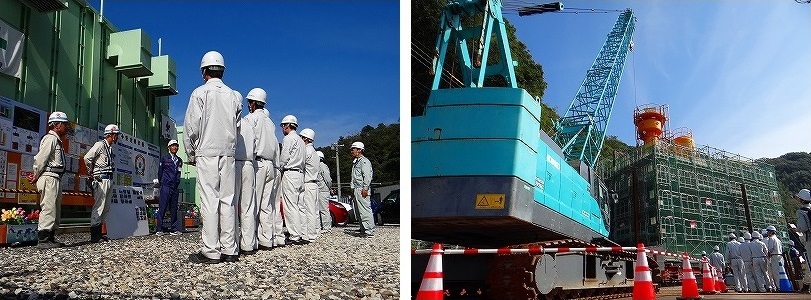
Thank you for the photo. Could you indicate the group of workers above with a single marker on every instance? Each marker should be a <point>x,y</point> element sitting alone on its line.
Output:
<point>241,170</point>
<point>250,186</point>
<point>756,259</point>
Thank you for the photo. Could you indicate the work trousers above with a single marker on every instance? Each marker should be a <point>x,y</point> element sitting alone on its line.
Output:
<point>749,270</point>
<point>309,201</point>
<point>760,271</point>
<point>167,200</point>
<point>776,264</point>
<point>270,216</point>
<point>806,267</point>
<point>102,194</point>
<point>738,272</point>
<point>50,203</point>
<point>363,212</point>
<point>246,197</point>
<point>323,210</point>
<point>215,182</point>
<point>291,186</point>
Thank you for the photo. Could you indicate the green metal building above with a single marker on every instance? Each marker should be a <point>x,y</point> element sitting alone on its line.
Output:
<point>689,199</point>
<point>72,61</point>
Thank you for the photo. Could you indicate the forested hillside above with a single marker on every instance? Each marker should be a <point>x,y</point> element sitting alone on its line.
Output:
<point>382,145</point>
<point>793,171</point>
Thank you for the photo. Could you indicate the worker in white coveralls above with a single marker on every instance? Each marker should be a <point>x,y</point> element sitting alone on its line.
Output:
<point>291,163</point>
<point>775,254</point>
<point>735,263</point>
<point>804,227</point>
<point>361,185</point>
<point>100,166</point>
<point>210,125</point>
<point>266,150</point>
<point>49,165</point>
<point>324,182</point>
<point>309,193</point>
<point>746,256</point>
<point>761,270</point>
<point>245,181</point>
<point>717,260</point>
<point>269,221</point>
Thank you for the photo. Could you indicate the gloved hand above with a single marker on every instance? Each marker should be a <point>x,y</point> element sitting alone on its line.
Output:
<point>89,184</point>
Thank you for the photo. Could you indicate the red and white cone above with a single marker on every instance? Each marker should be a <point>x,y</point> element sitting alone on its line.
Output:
<point>431,286</point>
<point>707,280</point>
<point>689,285</point>
<point>643,282</point>
<point>720,285</point>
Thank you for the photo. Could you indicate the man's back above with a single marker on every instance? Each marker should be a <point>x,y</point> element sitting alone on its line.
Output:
<point>211,120</point>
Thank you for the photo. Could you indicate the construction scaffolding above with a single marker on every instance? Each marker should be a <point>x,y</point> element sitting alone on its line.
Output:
<point>690,199</point>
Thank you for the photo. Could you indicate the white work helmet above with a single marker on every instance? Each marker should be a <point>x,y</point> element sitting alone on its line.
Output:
<point>111,129</point>
<point>747,236</point>
<point>740,239</point>
<point>790,243</point>
<point>308,133</point>
<point>771,228</point>
<point>716,248</point>
<point>804,194</point>
<point>357,145</point>
<point>58,116</point>
<point>320,154</point>
<point>258,95</point>
<point>213,60</point>
<point>172,142</point>
<point>756,235</point>
<point>703,253</point>
<point>290,119</point>
<point>732,236</point>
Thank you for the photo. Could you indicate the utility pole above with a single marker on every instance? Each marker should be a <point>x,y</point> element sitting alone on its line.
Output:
<point>337,148</point>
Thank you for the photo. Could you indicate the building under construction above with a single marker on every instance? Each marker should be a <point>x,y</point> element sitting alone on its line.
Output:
<point>686,198</point>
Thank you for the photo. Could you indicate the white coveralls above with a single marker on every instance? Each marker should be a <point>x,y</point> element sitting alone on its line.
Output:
<point>775,253</point>
<point>99,159</point>
<point>746,256</point>
<point>362,179</point>
<point>804,227</point>
<point>269,231</point>
<point>309,195</point>
<point>49,164</point>
<point>245,181</point>
<point>291,161</point>
<point>324,182</point>
<point>759,264</point>
<point>717,261</point>
<point>736,264</point>
<point>210,140</point>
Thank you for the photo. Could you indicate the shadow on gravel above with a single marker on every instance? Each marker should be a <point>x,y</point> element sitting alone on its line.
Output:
<point>77,244</point>
<point>16,273</point>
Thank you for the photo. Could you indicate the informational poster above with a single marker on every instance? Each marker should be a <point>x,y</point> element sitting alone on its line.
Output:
<point>21,126</point>
<point>127,216</point>
<point>136,161</point>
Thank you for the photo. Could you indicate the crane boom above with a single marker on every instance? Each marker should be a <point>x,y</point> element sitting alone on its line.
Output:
<point>581,131</point>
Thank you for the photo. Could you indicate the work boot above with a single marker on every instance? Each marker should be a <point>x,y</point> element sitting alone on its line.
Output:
<point>96,236</point>
<point>44,242</point>
<point>52,239</point>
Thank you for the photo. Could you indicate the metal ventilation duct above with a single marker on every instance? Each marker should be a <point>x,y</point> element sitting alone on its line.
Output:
<point>46,6</point>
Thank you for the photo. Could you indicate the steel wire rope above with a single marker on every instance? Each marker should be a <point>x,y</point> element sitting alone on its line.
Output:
<point>424,55</point>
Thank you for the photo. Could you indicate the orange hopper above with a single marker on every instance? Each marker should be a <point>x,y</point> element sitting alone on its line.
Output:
<point>650,122</point>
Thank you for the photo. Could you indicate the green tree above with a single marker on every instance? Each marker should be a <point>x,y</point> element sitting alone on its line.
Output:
<point>793,172</point>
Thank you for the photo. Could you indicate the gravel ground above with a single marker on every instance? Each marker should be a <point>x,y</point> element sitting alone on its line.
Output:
<point>336,266</point>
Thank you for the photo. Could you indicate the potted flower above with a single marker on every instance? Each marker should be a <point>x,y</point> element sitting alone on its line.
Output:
<point>17,226</point>
<point>192,218</point>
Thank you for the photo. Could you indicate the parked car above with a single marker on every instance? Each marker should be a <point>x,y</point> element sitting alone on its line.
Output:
<point>387,211</point>
<point>339,212</point>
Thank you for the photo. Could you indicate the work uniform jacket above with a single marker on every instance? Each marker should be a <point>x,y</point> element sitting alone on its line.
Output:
<point>324,179</point>
<point>50,160</point>
<point>99,158</point>
<point>169,171</point>
<point>293,153</point>
<point>361,173</point>
<point>211,121</point>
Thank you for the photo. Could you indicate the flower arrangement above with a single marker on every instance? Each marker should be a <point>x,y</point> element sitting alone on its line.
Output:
<point>17,216</point>
<point>192,213</point>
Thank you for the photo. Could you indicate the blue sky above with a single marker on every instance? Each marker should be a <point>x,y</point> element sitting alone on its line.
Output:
<point>738,73</point>
<point>334,65</point>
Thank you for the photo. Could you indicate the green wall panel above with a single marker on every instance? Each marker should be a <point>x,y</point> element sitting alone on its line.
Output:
<point>38,53</point>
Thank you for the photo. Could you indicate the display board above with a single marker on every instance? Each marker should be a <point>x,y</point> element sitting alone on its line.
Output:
<point>136,161</point>
<point>21,128</point>
<point>127,216</point>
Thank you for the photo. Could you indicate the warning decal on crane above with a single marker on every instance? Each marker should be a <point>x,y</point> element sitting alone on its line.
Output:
<point>490,201</point>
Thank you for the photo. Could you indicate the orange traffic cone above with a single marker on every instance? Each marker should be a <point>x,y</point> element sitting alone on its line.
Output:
<point>720,284</point>
<point>431,286</point>
<point>689,286</point>
<point>707,281</point>
<point>643,282</point>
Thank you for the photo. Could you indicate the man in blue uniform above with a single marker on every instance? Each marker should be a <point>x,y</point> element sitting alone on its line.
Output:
<point>169,177</point>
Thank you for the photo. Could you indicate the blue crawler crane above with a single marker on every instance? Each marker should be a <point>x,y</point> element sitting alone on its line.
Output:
<point>484,174</point>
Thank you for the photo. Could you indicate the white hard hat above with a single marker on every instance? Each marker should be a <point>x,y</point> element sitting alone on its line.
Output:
<point>258,95</point>
<point>740,239</point>
<point>172,142</point>
<point>155,181</point>
<point>747,236</point>
<point>58,116</point>
<point>308,133</point>
<point>732,235</point>
<point>213,58</point>
<point>320,154</point>
<point>111,129</point>
<point>716,248</point>
<point>791,243</point>
<point>804,194</point>
<point>771,228</point>
<point>357,145</point>
<point>756,235</point>
<point>703,252</point>
<point>290,119</point>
